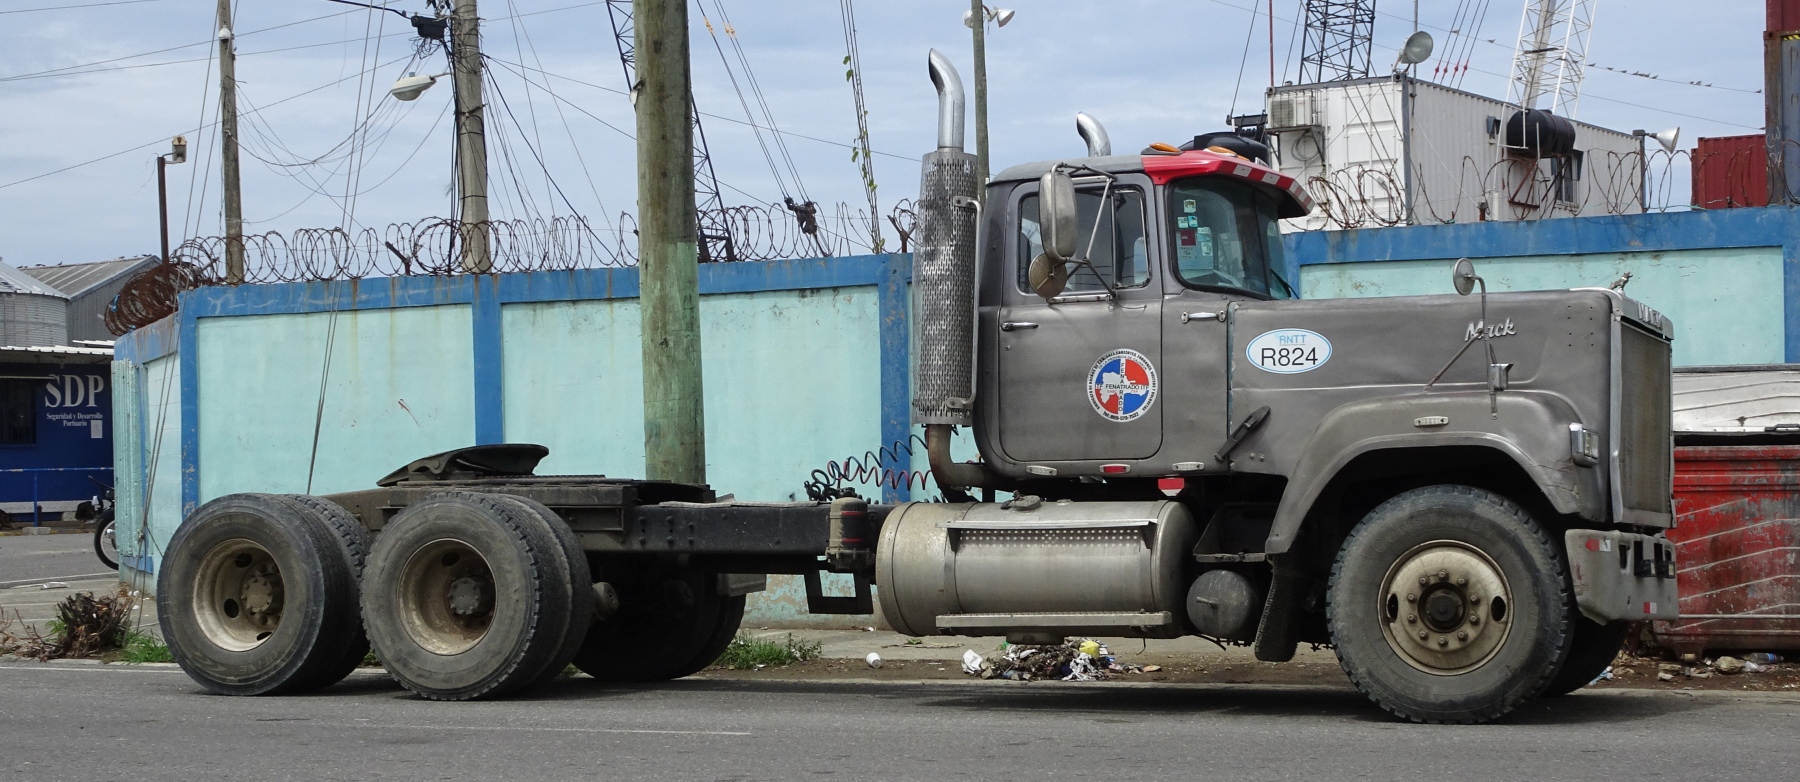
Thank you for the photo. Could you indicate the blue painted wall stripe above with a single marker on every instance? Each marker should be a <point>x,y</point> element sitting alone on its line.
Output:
<point>896,366</point>
<point>489,368</point>
<point>188,361</point>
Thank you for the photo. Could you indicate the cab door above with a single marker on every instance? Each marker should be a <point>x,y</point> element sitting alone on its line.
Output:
<point>1079,374</point>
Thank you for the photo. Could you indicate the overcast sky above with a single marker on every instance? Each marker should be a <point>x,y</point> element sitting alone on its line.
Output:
<point>111,83</point>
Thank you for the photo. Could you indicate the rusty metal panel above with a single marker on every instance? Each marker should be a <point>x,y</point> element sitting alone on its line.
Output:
<point>1730,171</point>
<point>1737,539</point>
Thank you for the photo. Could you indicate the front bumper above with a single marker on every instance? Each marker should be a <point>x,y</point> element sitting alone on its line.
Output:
<point>1622,576</point>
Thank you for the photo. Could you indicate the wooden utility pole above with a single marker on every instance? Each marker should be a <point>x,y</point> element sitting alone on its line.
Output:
<point>228,148</point>
<point>668,256</point>
<point>978,18</point>
<point>471,137</point>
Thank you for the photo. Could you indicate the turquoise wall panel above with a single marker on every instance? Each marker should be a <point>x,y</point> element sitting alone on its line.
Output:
<point>400,386</point>
<point>792,382</point>
<point>1727,304</point>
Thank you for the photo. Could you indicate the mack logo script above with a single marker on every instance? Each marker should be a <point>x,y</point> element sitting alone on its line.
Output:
<point>1122,385</point>
<point>1288,351</point>
<point>1479,329</point>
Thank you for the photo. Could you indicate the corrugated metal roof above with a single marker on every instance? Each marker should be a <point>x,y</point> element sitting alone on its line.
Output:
<point>14,281</point>
<point>1736,399</point>
<point>56,350</point>
<point>74,279</point>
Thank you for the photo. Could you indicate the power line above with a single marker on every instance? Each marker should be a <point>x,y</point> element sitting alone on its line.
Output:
<point>206,126</point>
<point>72,7</point>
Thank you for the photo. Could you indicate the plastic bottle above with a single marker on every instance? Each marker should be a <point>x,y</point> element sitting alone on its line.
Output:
<point>1763,658</point>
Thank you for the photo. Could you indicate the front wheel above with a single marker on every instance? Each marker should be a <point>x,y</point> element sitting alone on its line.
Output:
<point>1448,604</point>
<point>106,541</point>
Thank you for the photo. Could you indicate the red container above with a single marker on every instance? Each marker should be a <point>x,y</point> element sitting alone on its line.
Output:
<point>1784,15</point>
<point>1737,544</point>
<point>1730,171</point>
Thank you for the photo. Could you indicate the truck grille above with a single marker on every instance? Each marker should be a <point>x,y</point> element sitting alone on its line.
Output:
<point>1645,467</point>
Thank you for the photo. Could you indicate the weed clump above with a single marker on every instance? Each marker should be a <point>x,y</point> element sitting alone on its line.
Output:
<point>747,652</point>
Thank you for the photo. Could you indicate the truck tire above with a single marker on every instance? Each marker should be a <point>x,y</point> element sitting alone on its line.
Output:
<point>581,606</point>
<point>467,596</point>
<point>1449,604</point>
<point>1591,650</point>
<point>256,597</point>
<point>106,543</point>
<point>669,626</point>
<point>353,541</point>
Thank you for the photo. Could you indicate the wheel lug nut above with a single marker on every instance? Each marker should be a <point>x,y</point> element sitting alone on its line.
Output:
<point>1442,641</point>
<point>1462,636</point>
<point>1423,581</point>
<point>1412,598</point>
<point>1474,599</point>
<point>1474,620</point>
<point>1422,635</point>
<point>1462,582</point>
<point>1443,575</point>
<point>1412,619</point>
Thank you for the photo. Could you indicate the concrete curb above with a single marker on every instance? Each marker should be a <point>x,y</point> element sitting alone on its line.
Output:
<point>43,531</point>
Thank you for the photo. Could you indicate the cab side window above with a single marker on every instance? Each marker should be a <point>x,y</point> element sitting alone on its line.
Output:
<point>1120,254</point>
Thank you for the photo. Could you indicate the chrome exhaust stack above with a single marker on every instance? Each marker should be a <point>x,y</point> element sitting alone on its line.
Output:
<point>1098,144</point>
<point>944,284</point>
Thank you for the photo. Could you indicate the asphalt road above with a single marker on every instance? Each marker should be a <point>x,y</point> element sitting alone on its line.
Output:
<point>27,559</point>
<point>86,722</point>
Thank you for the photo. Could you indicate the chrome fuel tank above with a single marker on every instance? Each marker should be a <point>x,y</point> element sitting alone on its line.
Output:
<point>1035,570</point>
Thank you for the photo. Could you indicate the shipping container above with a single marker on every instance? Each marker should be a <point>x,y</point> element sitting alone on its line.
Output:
<point>1396,150</point>
<point>1730,171</point>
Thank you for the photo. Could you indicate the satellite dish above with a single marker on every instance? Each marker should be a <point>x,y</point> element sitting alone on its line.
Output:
<point>1462,275</point>
<point>1417,48</point>
<point>1668,138</point>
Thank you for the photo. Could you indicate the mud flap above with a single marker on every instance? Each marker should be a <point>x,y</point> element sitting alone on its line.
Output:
<point>1622,576</point>
<point>1278,634</point>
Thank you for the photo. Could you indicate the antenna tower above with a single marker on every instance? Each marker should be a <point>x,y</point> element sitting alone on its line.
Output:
<point>1339,37</point>
<point>1553,42</point>
<point>715,235</point>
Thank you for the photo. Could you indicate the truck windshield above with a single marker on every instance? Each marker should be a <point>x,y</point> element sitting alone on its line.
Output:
<point>1226,236</point>
<point>1119,254</point>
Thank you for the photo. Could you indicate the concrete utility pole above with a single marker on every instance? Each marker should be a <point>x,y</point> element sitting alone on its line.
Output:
<point>978,19</point>
<point>471,137</point>
<point>228,148</point>
<point>668,258</point>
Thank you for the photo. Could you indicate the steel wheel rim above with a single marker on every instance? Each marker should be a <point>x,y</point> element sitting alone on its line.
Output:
<point>447,597</point>
<point>1445,607</point>
<point>109,540</point>
<point>239,595</point>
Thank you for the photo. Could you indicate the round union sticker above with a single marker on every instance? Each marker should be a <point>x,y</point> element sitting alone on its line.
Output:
<point>1122,385</point>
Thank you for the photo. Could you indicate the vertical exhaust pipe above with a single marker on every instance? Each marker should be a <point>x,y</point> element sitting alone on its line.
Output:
<point>944,285</point>
<point>950,101</point>
<point>1094,134</point>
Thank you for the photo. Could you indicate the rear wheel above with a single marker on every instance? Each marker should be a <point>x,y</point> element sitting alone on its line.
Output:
<point>468,596</point>
<point>669,625</point>
<point>255,597</point>
<point>353,543</point>
<point>1448,604</point>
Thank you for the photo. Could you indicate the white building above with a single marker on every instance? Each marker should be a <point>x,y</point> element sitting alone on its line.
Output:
<point>1394,150</point>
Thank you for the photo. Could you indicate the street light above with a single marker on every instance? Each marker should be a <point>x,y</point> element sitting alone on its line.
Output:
<point>999,16</point>
<point>1667,140</point>
<point>177,154</point>
<point>412,85</point>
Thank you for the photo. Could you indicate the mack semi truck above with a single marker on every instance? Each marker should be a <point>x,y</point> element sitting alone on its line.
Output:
<point>1464,495</point>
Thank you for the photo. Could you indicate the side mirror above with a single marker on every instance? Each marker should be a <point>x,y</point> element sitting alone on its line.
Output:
<point>1056,215</point>
<point>1047,277</point>
<point>1462,275</point>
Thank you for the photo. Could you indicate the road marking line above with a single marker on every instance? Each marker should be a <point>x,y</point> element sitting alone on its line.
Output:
<point>559,730</point>
<point>47,579</point>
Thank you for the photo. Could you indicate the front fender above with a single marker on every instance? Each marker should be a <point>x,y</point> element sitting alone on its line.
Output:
<point>1531,428</point>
